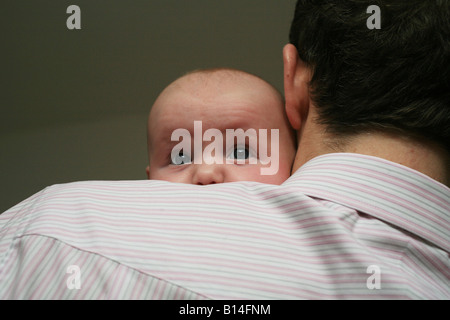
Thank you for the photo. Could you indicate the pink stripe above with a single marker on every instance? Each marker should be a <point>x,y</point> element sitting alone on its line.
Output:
<point>150,217</point>
<point>35,262</point>
<point>431,266</point>
<point>90,274</point>
<point>106,236</point>
<point>389,179</point>
<point>119,277</point>
<point>138,287</point>
<point>388,216</point>
<point>276,269</point>
<point>85,194</point>
<point>66,261</point>
<point>387,197</point>
<point>6,271</point>
<point>296,290</point>
<point>50,276</point>
<point>152,202</point>
<point>157,290</point>
<point>292,223</point>
<point>31,256</point>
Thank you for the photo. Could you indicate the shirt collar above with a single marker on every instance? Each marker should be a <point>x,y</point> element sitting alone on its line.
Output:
<point>383,189</point>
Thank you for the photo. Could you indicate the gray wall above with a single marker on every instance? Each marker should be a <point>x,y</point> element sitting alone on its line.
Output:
<point>74,103</point>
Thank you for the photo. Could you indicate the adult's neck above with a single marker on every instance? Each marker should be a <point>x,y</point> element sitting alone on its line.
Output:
<point>418,154</point>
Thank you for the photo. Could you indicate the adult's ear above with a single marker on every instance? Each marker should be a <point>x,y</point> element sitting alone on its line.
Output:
<point>148,172</point>
<point>296,78</point>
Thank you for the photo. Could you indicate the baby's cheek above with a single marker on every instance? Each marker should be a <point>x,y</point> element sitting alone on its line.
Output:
<point>254,172</point>
<point>178,174</point>
<point>277,178</point>
<point>284,172</point>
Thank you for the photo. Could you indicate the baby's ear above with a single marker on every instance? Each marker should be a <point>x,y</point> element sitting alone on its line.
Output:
<point>148,172</point>
<point>296,78</point>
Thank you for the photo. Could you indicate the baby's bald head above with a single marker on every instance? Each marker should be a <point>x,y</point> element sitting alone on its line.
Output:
<point>207,84</point>
<point>219,80</point>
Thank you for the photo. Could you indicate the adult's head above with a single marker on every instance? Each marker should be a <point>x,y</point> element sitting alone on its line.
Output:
<point>355,82</point>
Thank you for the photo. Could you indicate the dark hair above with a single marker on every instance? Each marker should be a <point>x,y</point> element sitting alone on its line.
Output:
<point>393,78</point>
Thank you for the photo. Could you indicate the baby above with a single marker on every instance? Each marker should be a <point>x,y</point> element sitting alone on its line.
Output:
<point>219,125</point>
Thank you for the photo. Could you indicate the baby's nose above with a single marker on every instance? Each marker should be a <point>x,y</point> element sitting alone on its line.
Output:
<point>208,174</point>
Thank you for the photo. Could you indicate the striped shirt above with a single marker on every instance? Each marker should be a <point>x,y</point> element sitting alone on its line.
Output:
<point>344,226</point>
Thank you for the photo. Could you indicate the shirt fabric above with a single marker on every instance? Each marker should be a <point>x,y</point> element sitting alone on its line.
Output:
<point>344,226</point>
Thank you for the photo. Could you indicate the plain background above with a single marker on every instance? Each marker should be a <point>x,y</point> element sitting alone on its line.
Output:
<point>74,103</point>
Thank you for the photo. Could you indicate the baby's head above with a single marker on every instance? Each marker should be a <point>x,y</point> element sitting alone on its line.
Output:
<point>219,125</point>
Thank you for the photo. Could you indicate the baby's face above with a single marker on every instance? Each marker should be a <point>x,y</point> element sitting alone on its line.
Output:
<point>203,118</point>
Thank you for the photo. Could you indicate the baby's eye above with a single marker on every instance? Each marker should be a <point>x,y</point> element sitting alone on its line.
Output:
<point>180,158</point>
<point>240,153</point>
